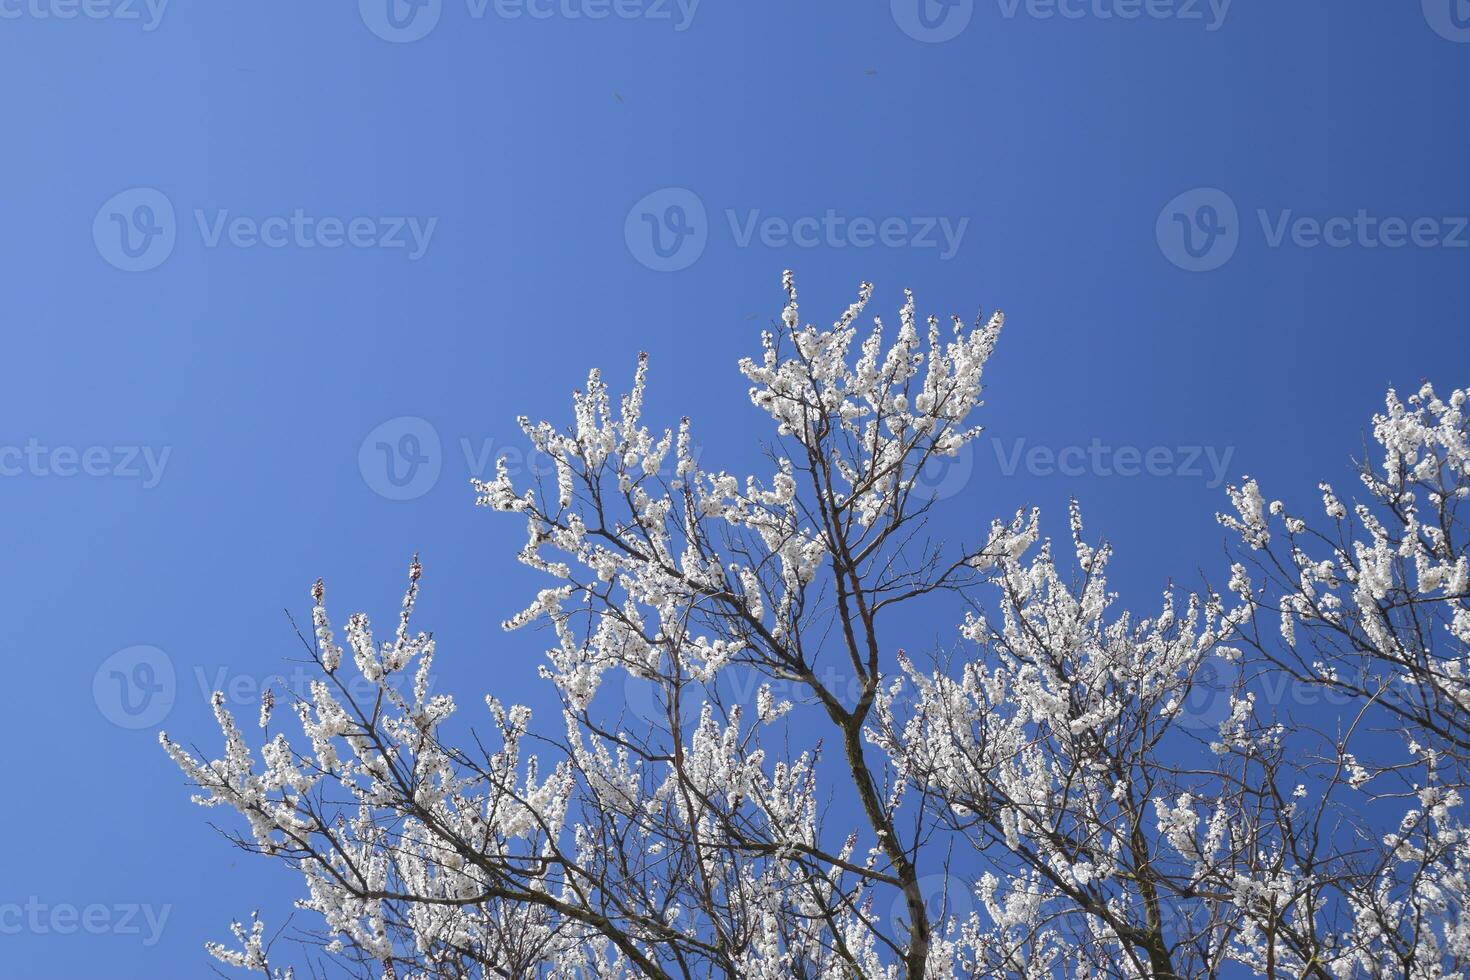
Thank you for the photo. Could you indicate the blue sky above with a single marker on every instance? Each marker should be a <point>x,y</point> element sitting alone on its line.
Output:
<point>243,245</point>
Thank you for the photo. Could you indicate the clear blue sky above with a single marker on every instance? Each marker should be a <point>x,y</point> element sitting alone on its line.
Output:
<point>239,238</point>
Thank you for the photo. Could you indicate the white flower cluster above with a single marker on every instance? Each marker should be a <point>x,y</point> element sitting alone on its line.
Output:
<point>1099,795</point>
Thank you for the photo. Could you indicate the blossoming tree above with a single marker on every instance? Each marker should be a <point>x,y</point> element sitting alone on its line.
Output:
<point>1046,799</point>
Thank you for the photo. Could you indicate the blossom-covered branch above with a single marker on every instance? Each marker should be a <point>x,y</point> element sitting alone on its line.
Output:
<point>1065,790</point>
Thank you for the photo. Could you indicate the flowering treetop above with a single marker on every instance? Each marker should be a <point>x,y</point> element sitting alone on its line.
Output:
<point>1044,799</point>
